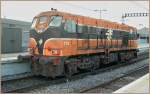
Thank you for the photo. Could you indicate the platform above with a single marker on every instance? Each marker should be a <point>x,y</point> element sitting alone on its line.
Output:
<point>140,85</point>
<point>11,66</point>
<point>9,58</point>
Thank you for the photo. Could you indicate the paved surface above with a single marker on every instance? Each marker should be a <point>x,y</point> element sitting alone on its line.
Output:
<point>141,85</point>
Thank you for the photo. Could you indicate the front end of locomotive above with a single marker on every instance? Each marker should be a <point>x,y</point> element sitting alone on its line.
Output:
<point>44,45</point>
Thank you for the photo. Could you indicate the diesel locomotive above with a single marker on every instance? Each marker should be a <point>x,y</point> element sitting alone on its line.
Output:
<point>64,44</point>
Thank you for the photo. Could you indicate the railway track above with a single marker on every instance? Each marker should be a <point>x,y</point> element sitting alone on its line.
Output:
<point>119,82</point>
<point>29,83</point>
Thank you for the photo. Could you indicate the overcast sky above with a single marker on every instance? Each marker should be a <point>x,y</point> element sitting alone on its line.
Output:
<point>26,10</point>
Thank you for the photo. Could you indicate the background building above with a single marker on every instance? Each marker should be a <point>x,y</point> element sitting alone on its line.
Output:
<point>15,35</point>
<point>144,34</point>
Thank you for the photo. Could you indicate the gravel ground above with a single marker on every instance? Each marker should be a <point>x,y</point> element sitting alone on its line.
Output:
<point>10,85</point>
<point>90,81</point>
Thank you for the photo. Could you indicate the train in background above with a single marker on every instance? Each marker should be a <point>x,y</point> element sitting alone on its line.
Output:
<point>64,44</point>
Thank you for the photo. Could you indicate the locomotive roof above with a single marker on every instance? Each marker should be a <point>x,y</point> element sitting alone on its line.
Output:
<point>84,20</point>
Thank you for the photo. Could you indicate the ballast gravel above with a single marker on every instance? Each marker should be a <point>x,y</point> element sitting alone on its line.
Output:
<point>88,82</point>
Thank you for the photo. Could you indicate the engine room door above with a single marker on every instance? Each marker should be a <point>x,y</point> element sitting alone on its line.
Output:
<point>82,38</point>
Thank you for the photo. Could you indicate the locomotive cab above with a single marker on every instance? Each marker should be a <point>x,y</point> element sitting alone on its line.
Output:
<point>46,28</point>
<point>42,23</point>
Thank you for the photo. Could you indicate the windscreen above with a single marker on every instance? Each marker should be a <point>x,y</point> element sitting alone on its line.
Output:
<point>42,19</point>
<point>55,21</point>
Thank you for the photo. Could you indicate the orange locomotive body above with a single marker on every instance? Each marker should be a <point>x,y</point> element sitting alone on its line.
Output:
<point>63,43</point>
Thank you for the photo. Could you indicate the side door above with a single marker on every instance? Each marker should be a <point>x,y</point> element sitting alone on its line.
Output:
<point>93,38</point>
<point>82,37</point>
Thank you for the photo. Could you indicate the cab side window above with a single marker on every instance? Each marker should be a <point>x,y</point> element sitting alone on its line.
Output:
<point>70,26</point>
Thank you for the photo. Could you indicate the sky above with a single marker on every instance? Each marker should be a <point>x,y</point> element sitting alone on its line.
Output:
<point>26,10</point>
